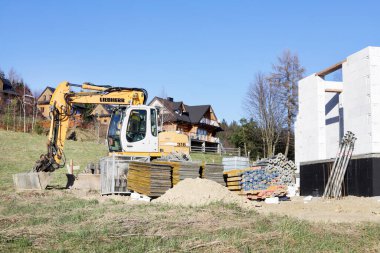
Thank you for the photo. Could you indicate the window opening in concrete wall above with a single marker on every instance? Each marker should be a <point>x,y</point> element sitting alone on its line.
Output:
<point>335,76</point>
<point>332,73</point>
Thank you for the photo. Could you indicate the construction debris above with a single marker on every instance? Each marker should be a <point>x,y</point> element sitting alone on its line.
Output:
<point>333,188</point>
<point>271,192</point>
<point>214,172</point>
<point>176,156</point>
<point>150,179</point>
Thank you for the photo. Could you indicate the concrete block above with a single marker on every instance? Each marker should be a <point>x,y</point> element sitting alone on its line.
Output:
<point>87,182</point>
<point>32,180</point>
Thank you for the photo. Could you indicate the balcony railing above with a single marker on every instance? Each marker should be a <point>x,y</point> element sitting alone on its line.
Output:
<point>209,122</point>
<point>216,150</point>
<point>204,138</point>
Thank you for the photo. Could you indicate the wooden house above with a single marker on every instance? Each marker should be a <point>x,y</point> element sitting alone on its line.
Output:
<point>199,122</point>
<point>7,92</point>
<point>43,101</point>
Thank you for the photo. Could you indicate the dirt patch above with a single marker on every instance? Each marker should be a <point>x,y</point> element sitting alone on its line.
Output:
<point>349,209</point>
<point>198,192</point>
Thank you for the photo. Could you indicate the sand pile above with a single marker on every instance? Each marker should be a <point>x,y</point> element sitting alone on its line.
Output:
<point>198,192</point>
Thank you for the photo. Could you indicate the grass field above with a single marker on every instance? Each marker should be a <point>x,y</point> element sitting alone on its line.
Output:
<point>61,221</point>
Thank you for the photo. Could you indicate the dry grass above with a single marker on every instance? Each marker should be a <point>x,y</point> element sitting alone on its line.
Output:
<point>19,151</point>
<point>61,221</point>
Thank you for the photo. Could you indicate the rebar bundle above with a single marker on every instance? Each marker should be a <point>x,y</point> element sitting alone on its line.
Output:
<point>333,188</point>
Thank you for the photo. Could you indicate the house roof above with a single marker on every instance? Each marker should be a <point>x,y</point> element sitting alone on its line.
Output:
<point>196,112</point>
<point>6,84</point>
<point>7,87</point>
<point>178,111</point>
<point>47,88</point>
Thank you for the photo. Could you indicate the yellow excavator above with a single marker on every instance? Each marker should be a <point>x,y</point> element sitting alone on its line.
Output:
<point>133,129</point>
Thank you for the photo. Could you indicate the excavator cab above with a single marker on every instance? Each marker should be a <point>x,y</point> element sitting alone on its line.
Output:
<point>133,129</point>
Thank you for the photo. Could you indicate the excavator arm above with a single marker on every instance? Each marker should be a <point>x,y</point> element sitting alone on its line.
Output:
<point>61,105</point>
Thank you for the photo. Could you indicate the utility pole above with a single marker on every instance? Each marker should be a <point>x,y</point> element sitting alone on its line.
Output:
<point>23,103</point>
<point>98,121</point>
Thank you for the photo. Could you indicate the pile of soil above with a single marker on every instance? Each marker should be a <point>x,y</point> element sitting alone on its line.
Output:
<point>198,192</point>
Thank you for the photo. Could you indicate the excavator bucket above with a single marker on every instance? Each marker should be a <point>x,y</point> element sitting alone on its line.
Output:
<point>31,180</point>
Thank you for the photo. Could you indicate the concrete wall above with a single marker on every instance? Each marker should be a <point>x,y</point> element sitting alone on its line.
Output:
<point>375,97</point>
<point>356,99</point>
<point>310,120</point>
<point>324,117</point>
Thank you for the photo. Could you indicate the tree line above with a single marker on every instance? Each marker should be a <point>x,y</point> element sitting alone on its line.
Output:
<point>18,110</point>
<point>271,103</point>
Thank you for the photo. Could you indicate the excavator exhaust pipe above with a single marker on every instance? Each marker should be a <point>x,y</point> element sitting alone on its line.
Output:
<point>32,180</point>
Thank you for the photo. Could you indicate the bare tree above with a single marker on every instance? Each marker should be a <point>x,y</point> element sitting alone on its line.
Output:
<point>36,94</point>
<point>264,106</point>
<point>14,77</point>
<point>2,75</point>
<point>285,76</point>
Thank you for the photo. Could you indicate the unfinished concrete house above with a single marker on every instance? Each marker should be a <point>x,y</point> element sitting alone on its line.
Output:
<point>344,97</point>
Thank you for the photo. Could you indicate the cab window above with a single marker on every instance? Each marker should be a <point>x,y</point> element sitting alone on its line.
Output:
<point>153,120</point>
<point>136,128</point>
<point>114,131</point>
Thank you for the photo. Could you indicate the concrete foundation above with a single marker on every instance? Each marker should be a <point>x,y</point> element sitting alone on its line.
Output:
<point>362,177</point>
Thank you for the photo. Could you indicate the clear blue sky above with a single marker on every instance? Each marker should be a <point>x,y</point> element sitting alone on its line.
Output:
<point>200,51</point>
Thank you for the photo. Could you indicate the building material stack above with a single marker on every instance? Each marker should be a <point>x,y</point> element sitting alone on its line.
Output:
<point>259,184</point>
<point>258,179</point>
<point>214,172</point>
<point>175,169</point>
<point>333,188</point>
<point>189,169</point>
<point>233,179</point>
<point>280,168</point>
<point>150,179</point>
<point>182,169</point>
<point>235,163</point>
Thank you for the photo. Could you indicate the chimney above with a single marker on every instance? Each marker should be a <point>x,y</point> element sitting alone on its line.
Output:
<point>169,99</point>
